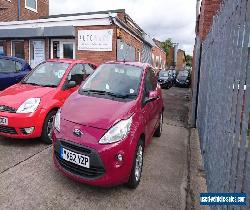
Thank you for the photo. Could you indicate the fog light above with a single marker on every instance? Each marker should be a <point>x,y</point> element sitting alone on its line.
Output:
<point>29,130</point>
<point>120,157</point>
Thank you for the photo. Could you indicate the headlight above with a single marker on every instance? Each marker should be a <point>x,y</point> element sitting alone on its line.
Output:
<point>29,105</point>
<point>118,132</point>
<point>187,80</point>
<point>57,120</point>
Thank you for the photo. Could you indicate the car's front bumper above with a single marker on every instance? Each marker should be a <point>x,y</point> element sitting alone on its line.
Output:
<point>105,169</point>
<point>17,122</point>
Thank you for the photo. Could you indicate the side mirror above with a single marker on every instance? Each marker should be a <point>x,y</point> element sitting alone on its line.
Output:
<point>69,84</point>
<point>153,95</point>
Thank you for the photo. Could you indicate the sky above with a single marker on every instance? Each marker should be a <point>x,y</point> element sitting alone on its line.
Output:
<point>161,19</point>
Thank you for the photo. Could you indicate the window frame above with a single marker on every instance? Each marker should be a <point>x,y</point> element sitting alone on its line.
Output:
<point>30,8</point>
<point>12,45</point>
<point>2,45</point>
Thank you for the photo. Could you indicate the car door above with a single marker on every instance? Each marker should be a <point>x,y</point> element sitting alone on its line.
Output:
<point>78,75</point>
<point>148,107</point>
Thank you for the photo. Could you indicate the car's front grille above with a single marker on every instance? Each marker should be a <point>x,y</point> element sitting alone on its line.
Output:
<point>4,108</point>
<point>96,166</point>
<point>8,130</point>
<point>91,172</point>
<point>75,147</point>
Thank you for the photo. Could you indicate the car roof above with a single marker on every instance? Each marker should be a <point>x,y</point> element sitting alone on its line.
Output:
<point>137,64</point>
<point>66,60</point>
<point>13,59</point>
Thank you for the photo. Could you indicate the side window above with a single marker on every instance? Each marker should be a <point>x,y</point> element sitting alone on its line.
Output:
<point>150,82</point>
<point>18,66</point>
<point>89,69</point>
<point>77,74</point>
<point>153,79</point>
<point>9,66</point>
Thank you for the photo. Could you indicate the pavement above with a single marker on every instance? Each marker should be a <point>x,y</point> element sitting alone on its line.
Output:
<point>28,179</point>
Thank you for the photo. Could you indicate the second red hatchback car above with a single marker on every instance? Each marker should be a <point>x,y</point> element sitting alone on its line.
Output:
<point>101,131</point>
<point>27,109</point>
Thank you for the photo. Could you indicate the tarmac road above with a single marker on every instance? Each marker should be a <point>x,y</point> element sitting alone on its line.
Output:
<point>28,179</point>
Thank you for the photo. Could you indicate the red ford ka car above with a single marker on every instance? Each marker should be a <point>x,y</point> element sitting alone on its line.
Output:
<point>102,129</point>
<point>27,109</point>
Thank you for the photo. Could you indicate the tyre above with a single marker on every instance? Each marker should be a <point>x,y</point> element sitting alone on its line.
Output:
<point>48,127</point>
<point>158,131</point>
<point>135,176</point>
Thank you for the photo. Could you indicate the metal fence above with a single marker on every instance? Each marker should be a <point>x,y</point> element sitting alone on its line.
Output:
<point>224,100</point>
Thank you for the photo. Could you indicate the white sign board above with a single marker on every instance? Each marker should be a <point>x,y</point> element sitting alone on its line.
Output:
<point>39,52</point>
<point>95,40</point>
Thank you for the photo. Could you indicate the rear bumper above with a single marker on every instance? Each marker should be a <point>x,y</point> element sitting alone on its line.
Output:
<point>16,123</point>
<point>182,84</point>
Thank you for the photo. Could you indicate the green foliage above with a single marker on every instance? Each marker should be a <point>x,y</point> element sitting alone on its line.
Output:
<point>189,60</point>
<point>167,45</point>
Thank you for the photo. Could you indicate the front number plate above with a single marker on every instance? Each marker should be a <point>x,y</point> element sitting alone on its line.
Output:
<point>75,158</point>
<point>3,121</point>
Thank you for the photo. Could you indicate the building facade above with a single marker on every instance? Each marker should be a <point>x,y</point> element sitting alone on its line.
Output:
<point>181,60</point>
<point>14,10</point>
<point>97,37</point>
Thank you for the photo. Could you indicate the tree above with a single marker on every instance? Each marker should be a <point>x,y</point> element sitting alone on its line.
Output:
<point>189,60</point>
<point>167,45</point>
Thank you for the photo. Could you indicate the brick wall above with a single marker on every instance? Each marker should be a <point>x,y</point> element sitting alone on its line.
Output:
<point>170,57</point>
<point>209,8</point>
<point>9,10</point>
<point>94,56</point>
<point>181,60</point>
<point>132,41</point>
<point>157,52</point>
<point>101,57</point>
<point>42,10</point>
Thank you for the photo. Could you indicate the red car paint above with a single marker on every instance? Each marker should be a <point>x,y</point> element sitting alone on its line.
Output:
<point>94,116</point>
<point>51,98</point>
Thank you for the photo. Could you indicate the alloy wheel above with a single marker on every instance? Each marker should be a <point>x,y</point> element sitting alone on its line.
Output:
<point>50,127</point>
<point>138,163</point>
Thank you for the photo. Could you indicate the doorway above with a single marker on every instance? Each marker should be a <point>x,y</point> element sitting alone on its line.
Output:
<point>37,52</point>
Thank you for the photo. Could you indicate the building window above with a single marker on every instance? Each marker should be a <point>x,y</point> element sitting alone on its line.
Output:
<point>2,51</point>
<point>31,5</point>
<point>18,49</point>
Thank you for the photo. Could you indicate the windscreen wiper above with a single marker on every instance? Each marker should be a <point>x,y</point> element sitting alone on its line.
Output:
<point>121,95</point>
<point>101,92</point>
<point>49,85</point>
<point>30,83</point>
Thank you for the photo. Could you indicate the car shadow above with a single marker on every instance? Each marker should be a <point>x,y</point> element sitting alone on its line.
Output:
<point>4,141</point>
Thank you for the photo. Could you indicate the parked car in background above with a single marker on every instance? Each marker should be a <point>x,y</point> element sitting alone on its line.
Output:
<point>102,130</point>
<point>12,71</point>
<point>174,76</point>
<point>27,109</point>
<point>183,79</point>
<point>165,80</point>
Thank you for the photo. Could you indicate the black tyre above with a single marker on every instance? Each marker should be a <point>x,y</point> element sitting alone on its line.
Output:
<point>48,127</point>
<point>135,176</point>
<point>158,131</point>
